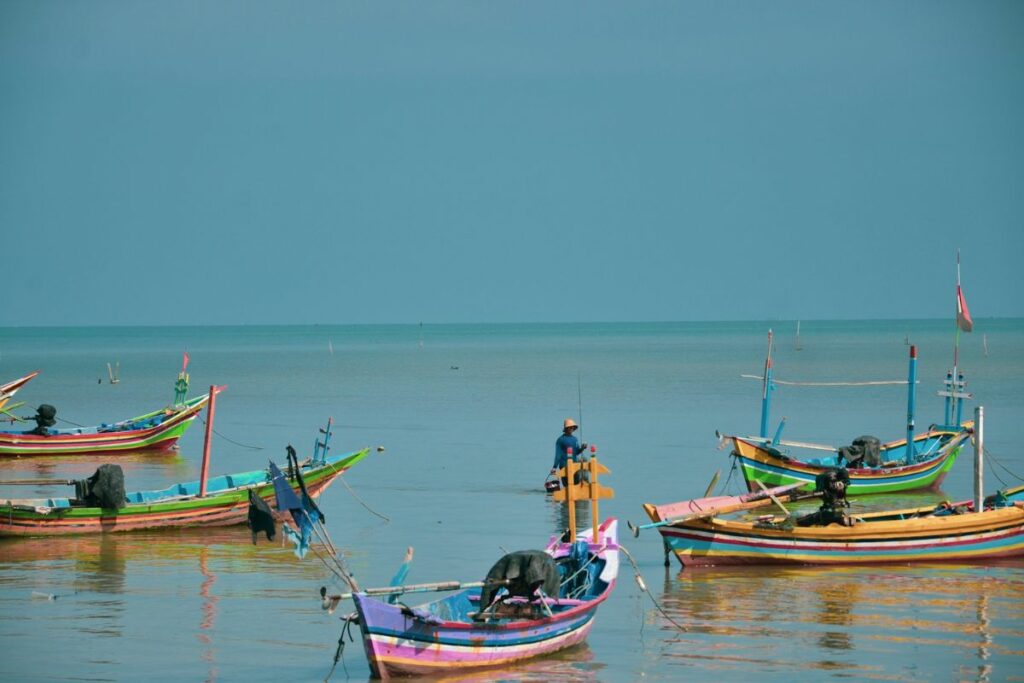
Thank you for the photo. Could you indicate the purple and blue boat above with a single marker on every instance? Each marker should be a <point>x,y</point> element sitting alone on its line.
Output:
<point>458,633</point>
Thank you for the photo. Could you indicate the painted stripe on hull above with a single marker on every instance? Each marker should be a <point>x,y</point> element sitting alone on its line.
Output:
<point>224,509</point>
<point>703,547</point>
<point>771,475</point>
<point>401,656</point>
<point>758,465</point>
<point>163,436</point>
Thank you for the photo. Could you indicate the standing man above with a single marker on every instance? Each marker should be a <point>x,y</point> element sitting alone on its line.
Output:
<point>566,442</point>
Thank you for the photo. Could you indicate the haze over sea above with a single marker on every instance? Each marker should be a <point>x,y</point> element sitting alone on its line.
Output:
<point>468,415</point>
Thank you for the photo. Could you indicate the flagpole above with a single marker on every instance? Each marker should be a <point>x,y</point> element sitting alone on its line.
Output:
<point>955,381</point>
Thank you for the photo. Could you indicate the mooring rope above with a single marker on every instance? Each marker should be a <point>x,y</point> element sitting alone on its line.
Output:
<point>232,441</point>
<point>869,383</point>
<point>345,630</point>
<point>995,460</point>
<point>643,586</point>
<point>358,499</point>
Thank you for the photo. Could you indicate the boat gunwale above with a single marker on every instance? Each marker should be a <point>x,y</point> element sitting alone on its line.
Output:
<point>313,476</point>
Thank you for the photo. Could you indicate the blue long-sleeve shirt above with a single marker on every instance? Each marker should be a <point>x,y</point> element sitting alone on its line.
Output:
<point>562,446</point>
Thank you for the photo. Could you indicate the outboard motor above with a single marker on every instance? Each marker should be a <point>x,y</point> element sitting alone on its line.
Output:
<point>524,571</point>
<point>104,489</point>
<point>45,417</point>
<point>864,451</point>
<point>832,485</point>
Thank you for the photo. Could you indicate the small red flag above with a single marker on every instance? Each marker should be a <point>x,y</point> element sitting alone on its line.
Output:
<point>963,316</point>
<point>184,362</point>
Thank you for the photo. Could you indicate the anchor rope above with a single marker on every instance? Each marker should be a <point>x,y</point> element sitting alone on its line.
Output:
<point>232,441</point>
<point>991,457</point>
<point>358,499</point>
<point>643,586</point>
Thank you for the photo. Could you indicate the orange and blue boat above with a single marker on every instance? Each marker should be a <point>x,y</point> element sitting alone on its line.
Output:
<point>942,533</point>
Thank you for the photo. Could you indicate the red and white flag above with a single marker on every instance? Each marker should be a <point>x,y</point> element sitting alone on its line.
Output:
<point>184,362</point>
<point>963,316</point>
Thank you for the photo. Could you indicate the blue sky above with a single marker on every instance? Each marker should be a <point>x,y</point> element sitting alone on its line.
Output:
<point>336,162</point>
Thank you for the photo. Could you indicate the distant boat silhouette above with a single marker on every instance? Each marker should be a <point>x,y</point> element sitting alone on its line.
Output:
<point>799,346</point>
<point>113,373</point>
<point>984,344</point>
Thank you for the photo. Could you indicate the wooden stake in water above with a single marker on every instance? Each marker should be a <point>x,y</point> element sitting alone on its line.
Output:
<point>206,443</point>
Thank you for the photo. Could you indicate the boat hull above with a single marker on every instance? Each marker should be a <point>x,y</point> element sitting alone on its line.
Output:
<point>398,646</point>
<point>759,464</point>
<point>220,507</point>
<point>403,642</point>
<point>992,534</point>
<point>159,437</point>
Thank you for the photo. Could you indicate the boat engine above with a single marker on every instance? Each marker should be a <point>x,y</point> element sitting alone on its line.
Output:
<point>832,485</point>
<point>865,451</point>
<point>104,489</point>
<point>46,416</point>
<point>522,573</point>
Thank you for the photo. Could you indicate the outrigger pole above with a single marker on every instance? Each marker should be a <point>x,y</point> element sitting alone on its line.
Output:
<point>766,394</point>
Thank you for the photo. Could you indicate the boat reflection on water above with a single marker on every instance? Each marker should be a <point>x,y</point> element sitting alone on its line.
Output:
<point>559,515</point>
<point>571,665</point>
<point>193,590</point>
<point>860,620</point>
<point>206,624</point>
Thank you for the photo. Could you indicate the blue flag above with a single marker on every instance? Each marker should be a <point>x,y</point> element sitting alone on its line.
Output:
<point>287,500</point>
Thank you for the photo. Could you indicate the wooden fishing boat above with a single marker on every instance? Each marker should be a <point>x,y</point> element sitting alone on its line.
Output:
<point>457,633</point>
<point>158,430</point>
<point>225,502</point>
<point>944,533</point>
<point>8,390</point>
<point>980,529</point>
<point>918,461</point>
<point>780,464</point>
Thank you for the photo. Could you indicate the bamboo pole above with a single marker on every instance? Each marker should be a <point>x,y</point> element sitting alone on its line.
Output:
<point>979,458</point>
<point>570,479</point>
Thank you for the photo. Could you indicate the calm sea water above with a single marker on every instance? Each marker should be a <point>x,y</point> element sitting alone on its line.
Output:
<point>468,416</point>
